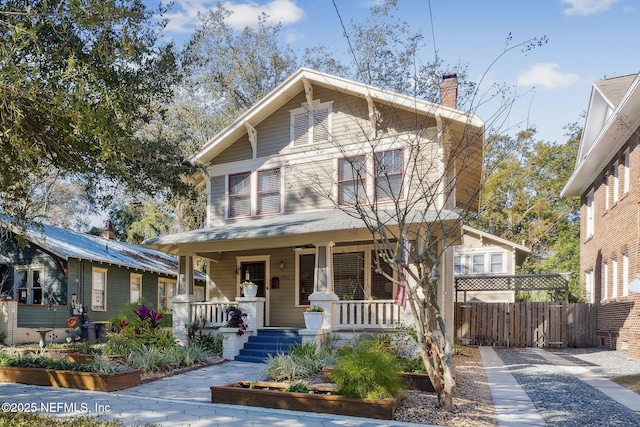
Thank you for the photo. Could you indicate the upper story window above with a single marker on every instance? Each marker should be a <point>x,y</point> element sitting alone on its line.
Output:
<point>311,124</point>
<point>268,191</point>
<point>240,194</point>
<point>616,181</point>
<point>28,284</point>
<point>590,224</point>
<point>255,193</point>
<point>625,173</point>
<point>388,174</point>
<point>351,180</point>
<point>99,289</point>
<point>458,264</point>
<point>482,263</point>
<point>606,190</point>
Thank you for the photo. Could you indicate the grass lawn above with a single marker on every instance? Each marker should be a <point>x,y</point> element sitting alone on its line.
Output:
<point>27,419</point>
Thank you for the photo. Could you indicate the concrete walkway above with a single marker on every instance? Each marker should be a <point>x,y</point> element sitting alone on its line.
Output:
<point>515,408</point>
<point>185,399</point>
<point>185,402</point>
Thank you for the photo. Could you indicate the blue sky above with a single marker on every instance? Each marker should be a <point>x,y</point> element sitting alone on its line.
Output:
<point>587,40</point>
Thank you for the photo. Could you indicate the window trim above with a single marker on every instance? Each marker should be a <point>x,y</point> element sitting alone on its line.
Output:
<point>626,176</point>
<point>230,196</point>
<point>307,109</point>
<point>103,272</point>
<point>590,216</point>
<point>605,281</point>
<point>131,277</point>
<point>278,191</point>
<point>607,190</point>
<point>625,275</point>
<point>616,181</point>
<point>614,278</point>
<point>589,286</point>
<point>168,307</point>
<point>400,194</point>
<point>362,177</point>
<point>28,270</point>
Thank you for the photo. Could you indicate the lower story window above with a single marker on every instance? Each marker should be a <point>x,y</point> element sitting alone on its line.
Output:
<point>28,284</point>
<point>348,275</point>
<point>99,289</point>
<point>135,287</point>
<point>166,291</point>
<point>381,286</point>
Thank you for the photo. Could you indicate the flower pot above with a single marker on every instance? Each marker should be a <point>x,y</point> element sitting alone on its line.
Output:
<point>250,290</point>
<point>71,379</point>
<point>313,319</point>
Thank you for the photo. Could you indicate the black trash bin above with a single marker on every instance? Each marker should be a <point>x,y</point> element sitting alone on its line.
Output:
<point>88,331</point>
<point>101,329</point>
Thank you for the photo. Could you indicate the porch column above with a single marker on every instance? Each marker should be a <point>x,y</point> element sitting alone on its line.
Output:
<point>185,275</point>
<point>323,294</point>
<point>323,277</point>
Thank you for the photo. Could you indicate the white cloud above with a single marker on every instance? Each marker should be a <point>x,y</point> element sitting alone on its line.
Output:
<point>247,14</point>
<point>587,7</point>
<point>545,75</point>
<point>183,17</point>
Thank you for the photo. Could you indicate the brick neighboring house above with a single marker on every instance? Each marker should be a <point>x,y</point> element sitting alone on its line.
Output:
<point>606,178</point>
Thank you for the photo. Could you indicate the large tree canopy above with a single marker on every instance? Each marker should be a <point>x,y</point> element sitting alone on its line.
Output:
<point>78,79</point>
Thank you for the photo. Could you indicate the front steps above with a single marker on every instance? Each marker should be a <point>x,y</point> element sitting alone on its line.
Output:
<point>268,341</point>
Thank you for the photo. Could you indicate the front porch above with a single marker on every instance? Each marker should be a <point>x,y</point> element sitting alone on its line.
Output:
<point>342,318</point>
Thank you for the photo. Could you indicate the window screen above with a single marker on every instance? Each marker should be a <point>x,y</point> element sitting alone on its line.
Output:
<point>306,276</point>
<point>389,166</point>
<point>381,287</point>
<point>240,194</point>
<point>351,175</point>
<point>269,191</point>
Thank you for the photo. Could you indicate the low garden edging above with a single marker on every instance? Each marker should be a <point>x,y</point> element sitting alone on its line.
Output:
<point>318,399</point>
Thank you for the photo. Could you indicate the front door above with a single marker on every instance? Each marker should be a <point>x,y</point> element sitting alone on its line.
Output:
<point>256,271</point>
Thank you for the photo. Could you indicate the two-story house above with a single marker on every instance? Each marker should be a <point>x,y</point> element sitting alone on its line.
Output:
<point>482,254</point>
<point>606,178</point>
<point>281,178</point>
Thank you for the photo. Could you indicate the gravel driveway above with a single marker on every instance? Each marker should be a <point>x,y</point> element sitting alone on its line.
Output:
<point>564,400</point>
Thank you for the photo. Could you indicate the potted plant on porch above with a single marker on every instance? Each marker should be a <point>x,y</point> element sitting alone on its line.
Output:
<point>313,317</point>
<point>249,289</point>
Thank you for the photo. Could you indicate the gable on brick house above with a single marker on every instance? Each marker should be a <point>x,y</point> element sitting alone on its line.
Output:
<point>606,177</point>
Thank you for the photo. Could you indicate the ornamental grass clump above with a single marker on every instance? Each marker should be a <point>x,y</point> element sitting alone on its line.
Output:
<point>367,370</point>
<point>42,360</point>
<point>302,362</point>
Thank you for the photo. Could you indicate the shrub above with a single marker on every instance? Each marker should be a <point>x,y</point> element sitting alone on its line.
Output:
<point>153,359</point>
<point>367,370</point>
<point>46,361</point>
<point>236,319</point>
<point>302,362</point>
<point>139,328</point>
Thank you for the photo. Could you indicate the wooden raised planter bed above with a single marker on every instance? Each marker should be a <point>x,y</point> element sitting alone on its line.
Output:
<point>71,379</point>
<point>270,395</point>
<point>419,382</point>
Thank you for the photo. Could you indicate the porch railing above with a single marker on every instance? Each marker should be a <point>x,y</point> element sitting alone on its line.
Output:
<point>214,313</point>
<point>369,314</point>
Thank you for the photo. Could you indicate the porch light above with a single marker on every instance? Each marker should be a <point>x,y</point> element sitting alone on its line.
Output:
<point>281,265</point>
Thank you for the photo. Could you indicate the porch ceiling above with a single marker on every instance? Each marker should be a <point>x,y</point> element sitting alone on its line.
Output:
<point>284,230</point>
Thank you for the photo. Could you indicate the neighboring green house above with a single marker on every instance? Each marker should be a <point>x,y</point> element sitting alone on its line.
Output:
<point>52,274</point>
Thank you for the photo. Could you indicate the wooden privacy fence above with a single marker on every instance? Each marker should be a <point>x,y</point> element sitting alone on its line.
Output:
<point>531,324</point>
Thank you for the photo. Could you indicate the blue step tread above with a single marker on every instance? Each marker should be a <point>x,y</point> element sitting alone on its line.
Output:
<point>268,342</point>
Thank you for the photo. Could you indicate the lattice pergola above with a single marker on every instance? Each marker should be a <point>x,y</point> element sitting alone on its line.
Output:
<point>521,282</point>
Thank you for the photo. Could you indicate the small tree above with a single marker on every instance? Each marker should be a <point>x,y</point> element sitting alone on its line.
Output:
<point>427,174</point>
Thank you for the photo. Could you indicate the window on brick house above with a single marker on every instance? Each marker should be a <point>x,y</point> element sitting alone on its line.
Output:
<point>625,275</point>
<point>616,181</point>
<point>614,278</point>
<point>590,218</point>
<point>607,191</point>
<point>605,281</point>
<point>588,284</point>
<point>626,172</point>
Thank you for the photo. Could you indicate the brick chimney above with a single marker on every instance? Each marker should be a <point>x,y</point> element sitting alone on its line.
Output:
<point>108,232</point>
<point>449,90</point>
